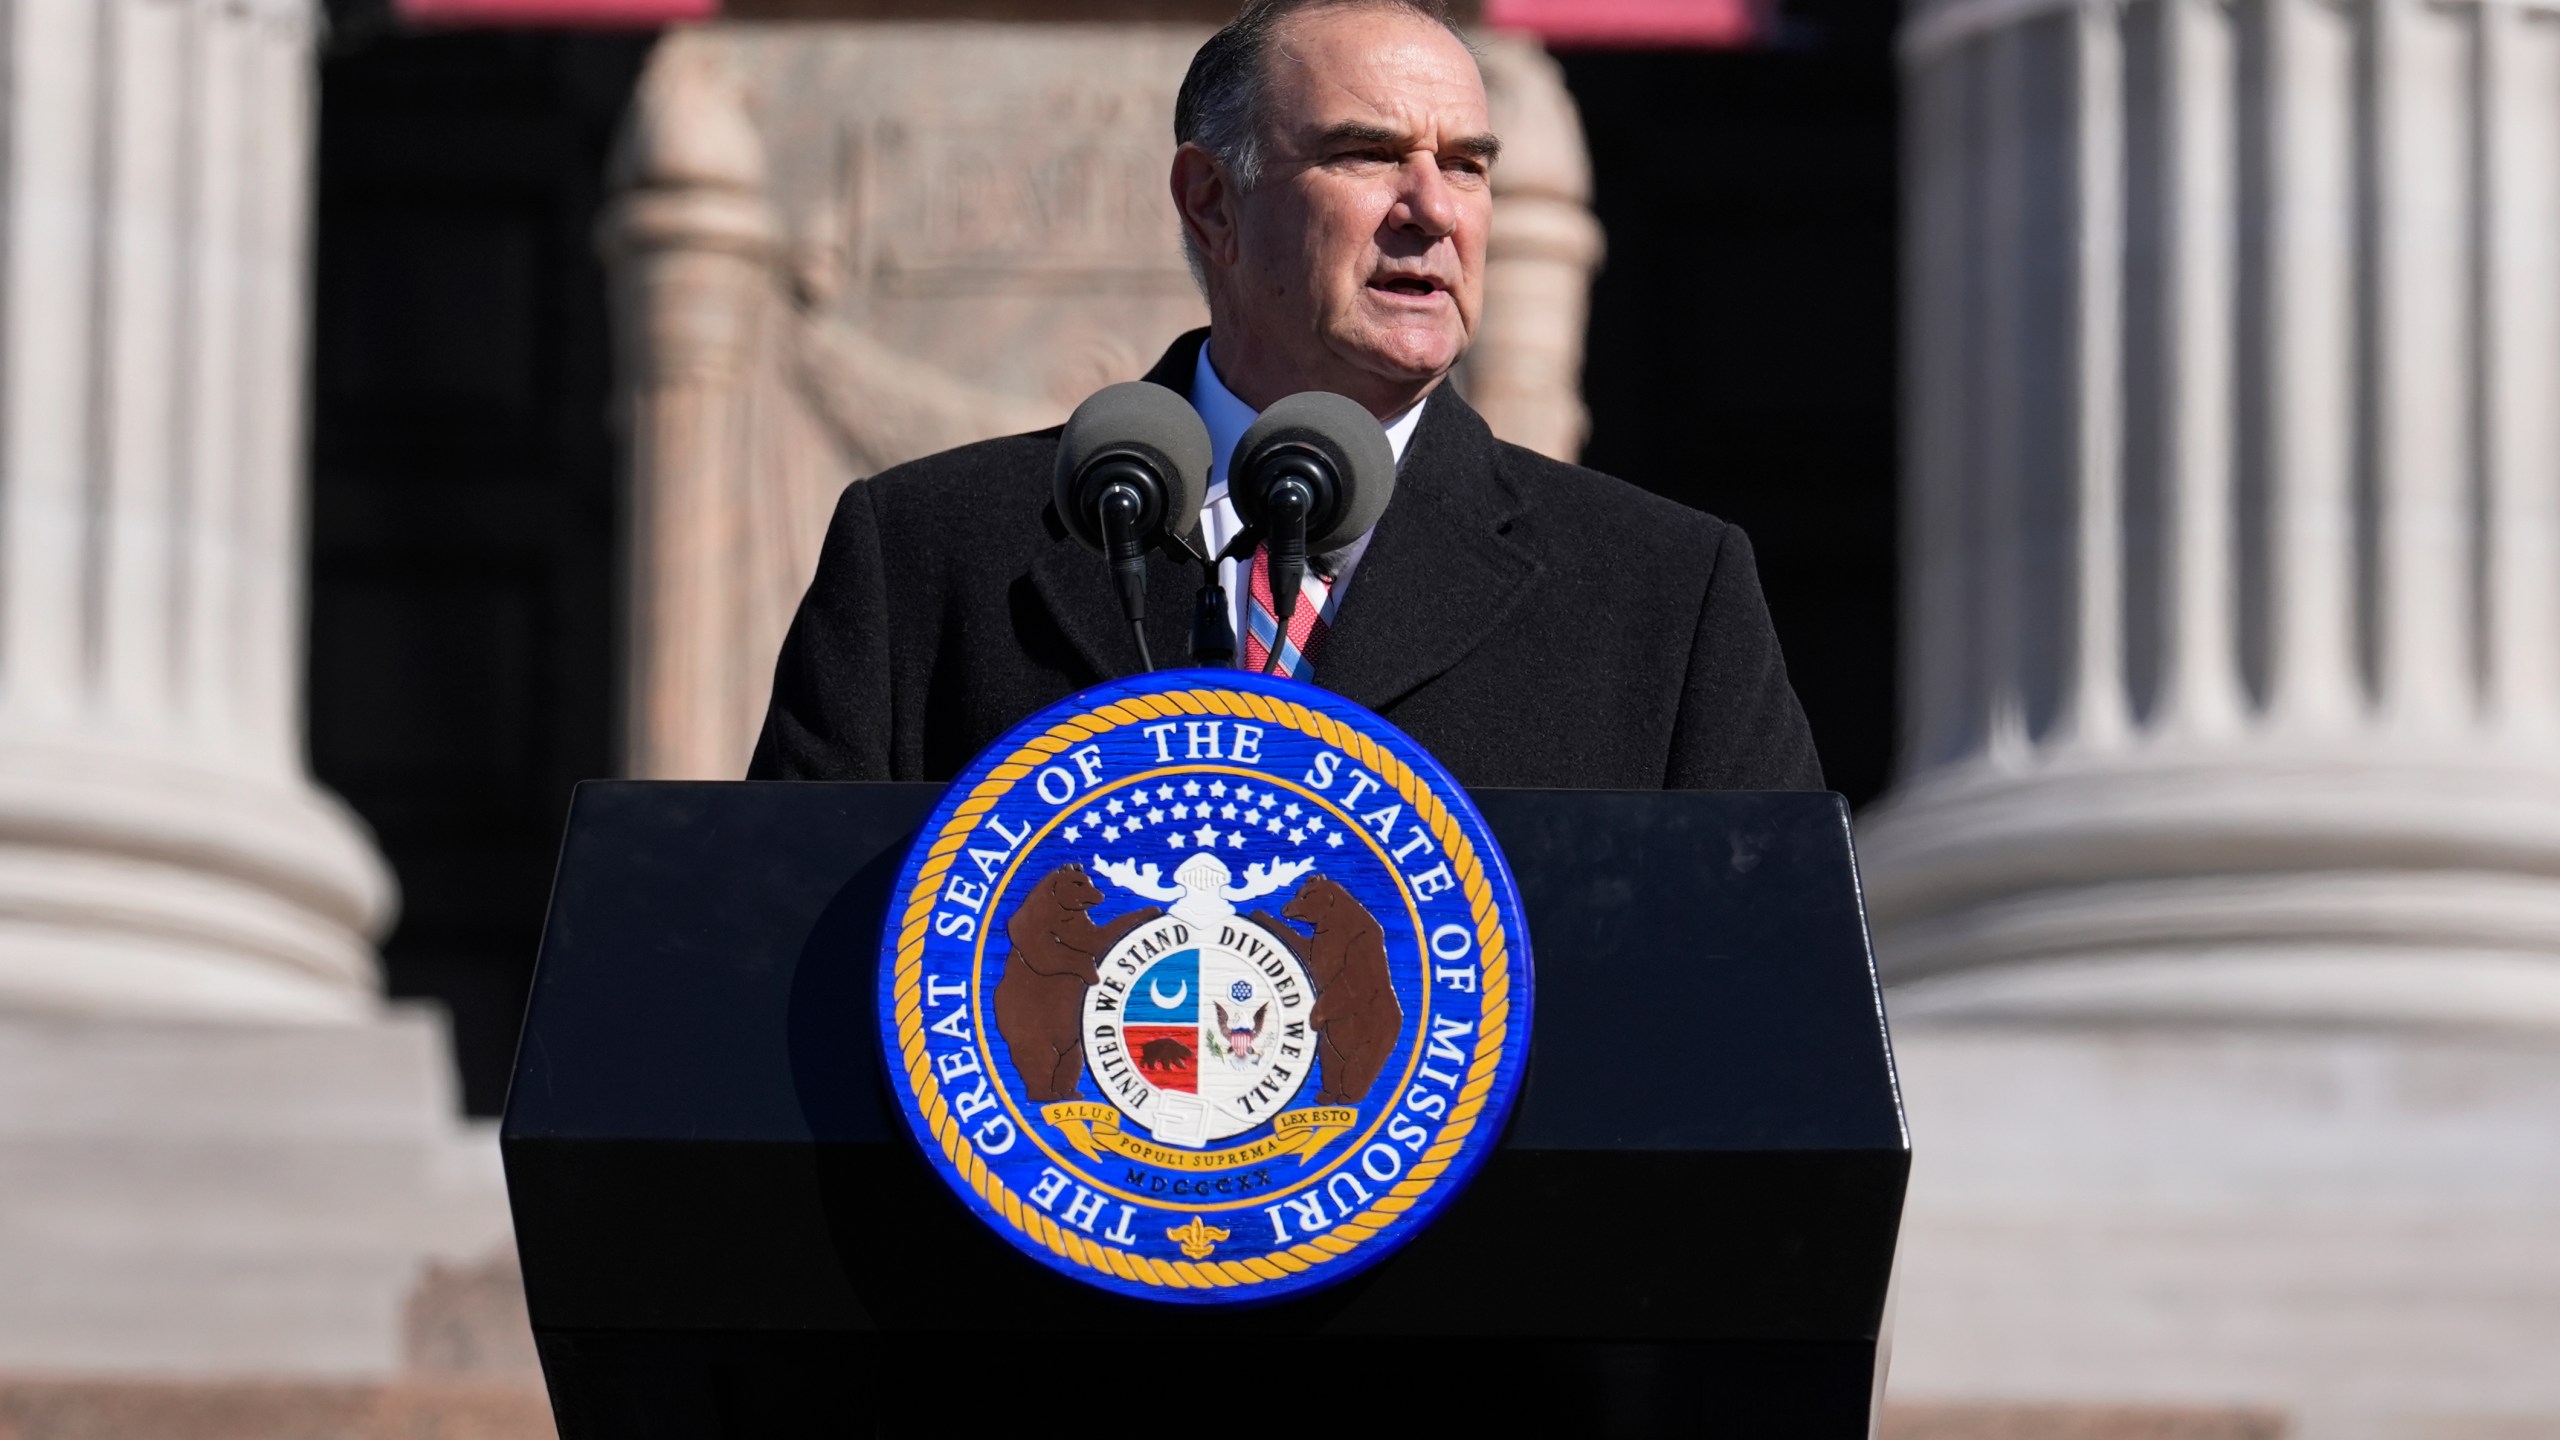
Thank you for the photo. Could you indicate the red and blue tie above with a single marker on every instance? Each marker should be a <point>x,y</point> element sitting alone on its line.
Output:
<point>1307,628</point>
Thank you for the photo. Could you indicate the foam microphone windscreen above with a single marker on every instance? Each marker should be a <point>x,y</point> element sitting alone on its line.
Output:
<point>1350,439</point>
<point>1146,423</point>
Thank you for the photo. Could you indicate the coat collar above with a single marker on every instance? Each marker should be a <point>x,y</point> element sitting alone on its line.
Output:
<point>1442,572</point>
<point>1173,372</point>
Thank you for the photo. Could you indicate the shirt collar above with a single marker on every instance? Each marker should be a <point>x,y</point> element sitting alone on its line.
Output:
<point>1228,418</point>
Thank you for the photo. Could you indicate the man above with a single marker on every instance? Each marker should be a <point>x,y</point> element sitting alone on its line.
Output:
<point>1530,622</point>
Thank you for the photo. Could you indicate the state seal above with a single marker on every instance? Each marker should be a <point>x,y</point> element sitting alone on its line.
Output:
<point>1205,986</point>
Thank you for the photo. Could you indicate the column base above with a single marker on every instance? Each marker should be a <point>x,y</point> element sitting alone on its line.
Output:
<point>2358,1231</point>
<point>2260,984</point>
<point>231,1199</point>
<point>2257,882</point>
<point>150,886</point>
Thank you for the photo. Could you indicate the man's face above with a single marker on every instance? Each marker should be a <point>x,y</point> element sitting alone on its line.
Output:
<point>1357,265</point>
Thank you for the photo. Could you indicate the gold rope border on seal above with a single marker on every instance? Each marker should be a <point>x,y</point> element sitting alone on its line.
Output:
<point>1493,1018</point>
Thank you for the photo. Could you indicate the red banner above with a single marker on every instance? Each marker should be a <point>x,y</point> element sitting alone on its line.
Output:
<point>582,13</point>
<point>1701,23</point>
<point>1707,23</point>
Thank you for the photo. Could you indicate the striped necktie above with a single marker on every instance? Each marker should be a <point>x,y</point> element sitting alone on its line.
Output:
<point>1307,628</point>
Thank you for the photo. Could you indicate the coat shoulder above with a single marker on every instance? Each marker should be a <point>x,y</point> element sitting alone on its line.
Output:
<point>1003,478</point>
<point>1637,525</point>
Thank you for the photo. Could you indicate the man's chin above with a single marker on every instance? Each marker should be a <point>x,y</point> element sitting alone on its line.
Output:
<point>1403,354</point>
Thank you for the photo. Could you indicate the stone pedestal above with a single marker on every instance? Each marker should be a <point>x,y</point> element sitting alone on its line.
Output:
<point>2232,682</point>
<point>841,246</point>
<point>219,1153</point>
<point>234,1199</point>
<point>2353,1229</point>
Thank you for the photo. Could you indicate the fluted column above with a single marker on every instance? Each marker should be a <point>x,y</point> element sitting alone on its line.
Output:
<point>2233,674</point>
<point>2301,159</point>
<point>691,245</point>
<point>162,850</point>
<point>1524,372</point>
<point>2517,112</point>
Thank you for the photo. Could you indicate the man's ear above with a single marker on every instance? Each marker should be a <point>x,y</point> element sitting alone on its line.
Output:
<point>1206,200</point>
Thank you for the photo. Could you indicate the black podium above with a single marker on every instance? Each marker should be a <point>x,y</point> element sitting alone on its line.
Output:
<point>725,1229</point>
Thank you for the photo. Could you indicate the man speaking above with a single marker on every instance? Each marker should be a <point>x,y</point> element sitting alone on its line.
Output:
<point>1531,623</point>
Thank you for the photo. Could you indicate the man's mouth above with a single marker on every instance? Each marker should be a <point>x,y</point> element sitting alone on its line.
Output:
<point>1414,285</point>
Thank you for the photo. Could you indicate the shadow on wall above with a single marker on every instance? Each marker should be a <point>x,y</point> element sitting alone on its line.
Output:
<point>1743,332</point>
<point>463,505</point>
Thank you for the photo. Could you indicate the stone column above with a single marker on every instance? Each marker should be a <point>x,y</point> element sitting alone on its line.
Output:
<point>2219,898</point>
<point>1524,373</point>
<point>691,248</point>
<point>2233,662</point>
<point>162,849</point>
<point>224,1154</point>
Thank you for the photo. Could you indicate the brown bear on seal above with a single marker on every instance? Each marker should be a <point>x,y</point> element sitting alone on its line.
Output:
<point>1356,1018</point>
<point>1040,1000</point>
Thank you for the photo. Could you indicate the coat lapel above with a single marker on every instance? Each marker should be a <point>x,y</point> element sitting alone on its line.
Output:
<point>1441,573</point>
<point>1076,587</point>
<point>1075,584</point>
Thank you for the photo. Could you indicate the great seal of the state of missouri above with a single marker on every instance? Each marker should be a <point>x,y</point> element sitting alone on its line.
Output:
<point>1205,986</point>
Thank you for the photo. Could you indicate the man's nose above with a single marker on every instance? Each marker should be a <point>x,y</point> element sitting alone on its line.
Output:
<point>1424,202</point>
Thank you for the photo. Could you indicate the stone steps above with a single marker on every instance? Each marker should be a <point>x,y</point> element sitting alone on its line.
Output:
<point>430,1409</point>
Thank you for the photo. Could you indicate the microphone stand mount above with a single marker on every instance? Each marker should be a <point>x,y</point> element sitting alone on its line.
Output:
<point>1126,487</point>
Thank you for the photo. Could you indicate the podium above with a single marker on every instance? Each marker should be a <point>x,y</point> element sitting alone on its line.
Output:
<point>725,1229</point>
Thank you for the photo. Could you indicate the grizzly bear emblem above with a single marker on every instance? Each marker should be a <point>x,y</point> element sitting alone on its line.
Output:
<point>1056,948</point>
<point>1356,1017</point>
<point>1164,1054</point>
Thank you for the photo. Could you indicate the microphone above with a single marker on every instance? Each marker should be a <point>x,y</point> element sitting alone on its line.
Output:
<point>1133,468</point>
<point>1313,474</point>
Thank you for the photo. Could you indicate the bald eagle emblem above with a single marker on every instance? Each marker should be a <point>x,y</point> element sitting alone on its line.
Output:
<point>1240,1042</point>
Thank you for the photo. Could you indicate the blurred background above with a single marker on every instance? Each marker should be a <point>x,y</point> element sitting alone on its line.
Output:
<point>2144,414</point>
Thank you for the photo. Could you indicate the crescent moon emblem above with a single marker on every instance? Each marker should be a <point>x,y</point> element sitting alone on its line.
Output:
<point>1155,992</point>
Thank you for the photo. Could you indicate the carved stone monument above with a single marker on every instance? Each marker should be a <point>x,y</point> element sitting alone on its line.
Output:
<point>841,246</point>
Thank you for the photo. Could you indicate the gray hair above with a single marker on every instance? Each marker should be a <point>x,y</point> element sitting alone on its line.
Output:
<point>1220,105</point>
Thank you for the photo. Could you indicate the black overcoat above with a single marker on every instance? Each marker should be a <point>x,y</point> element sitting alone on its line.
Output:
<point>1531,623</point>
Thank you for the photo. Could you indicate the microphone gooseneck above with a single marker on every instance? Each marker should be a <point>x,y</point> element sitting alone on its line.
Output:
<point>1133,468</point>
<point>1312,475</point>
<point>1123,509</point>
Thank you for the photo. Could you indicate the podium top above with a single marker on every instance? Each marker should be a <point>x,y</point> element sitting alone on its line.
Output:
<point>707,965</point>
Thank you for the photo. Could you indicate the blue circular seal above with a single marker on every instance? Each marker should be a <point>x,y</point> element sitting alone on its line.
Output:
<point>1205,986</point>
